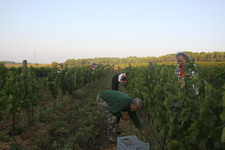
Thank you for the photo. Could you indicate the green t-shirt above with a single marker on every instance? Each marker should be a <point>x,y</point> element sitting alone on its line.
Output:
<point>119,102</point>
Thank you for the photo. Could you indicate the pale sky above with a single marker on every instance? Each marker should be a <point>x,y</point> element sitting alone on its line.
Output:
<point>43,31</point>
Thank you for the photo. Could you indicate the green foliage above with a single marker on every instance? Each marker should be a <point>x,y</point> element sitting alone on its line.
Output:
<point>222,116</point>
<point>185,118</point>
<point>62,82</point>
<point>78,93</point>
<point>46,115</point>
<point>79,129</point>
<point>223,136</point>
<point>22,90</point>
<point>3,75</point>
<point>52,82</point>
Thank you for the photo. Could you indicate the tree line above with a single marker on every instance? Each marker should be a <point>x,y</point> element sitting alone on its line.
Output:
<point>197,57</point>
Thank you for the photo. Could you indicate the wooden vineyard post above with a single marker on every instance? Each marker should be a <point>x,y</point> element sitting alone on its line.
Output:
<point>24,65</point>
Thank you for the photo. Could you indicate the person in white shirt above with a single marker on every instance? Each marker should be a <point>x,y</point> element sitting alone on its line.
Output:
<point>117,79</point>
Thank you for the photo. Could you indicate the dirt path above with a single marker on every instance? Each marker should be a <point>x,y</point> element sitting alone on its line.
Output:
<point>126,127</point>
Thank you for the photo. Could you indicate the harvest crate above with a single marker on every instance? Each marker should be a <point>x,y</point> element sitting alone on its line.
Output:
<point>131,143</point>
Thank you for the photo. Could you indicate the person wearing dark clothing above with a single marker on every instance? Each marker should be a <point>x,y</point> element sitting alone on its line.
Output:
<point>114,104</point>
<point>117,79</point>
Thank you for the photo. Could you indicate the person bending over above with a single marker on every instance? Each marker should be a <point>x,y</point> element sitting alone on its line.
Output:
<point>117,79</point>
<point>114,104</point>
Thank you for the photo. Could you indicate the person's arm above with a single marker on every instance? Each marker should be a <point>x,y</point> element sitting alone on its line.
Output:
<point>134,118</point>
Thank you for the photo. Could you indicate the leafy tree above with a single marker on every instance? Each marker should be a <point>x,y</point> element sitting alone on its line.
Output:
<point>54,64</point>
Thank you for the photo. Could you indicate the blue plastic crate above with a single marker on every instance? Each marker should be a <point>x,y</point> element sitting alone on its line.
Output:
<point>131,143</point>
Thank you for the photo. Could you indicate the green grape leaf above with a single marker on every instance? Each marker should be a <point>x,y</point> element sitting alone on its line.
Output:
<point>182,84</point>
<point>223,136</point>
<point>222,115</point>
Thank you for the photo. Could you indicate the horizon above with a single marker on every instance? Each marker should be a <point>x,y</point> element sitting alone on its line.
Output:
<point>82,58</point>
<point>55,31</point>
<point>104,57</point>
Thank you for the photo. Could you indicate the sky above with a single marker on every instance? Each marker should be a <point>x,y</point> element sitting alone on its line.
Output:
<point>46,31</point>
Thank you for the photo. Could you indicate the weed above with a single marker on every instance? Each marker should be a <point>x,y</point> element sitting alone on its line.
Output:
<point>78,93</point>
<point>15,146</point>
<point>45,116</point>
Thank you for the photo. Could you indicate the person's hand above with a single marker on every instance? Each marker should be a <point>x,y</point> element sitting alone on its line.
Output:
<point>125,117</point>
